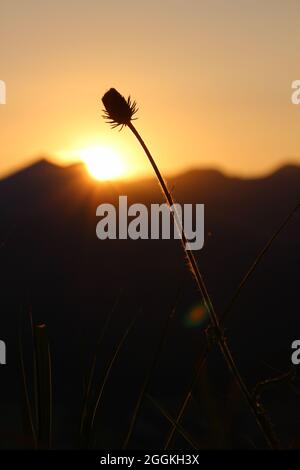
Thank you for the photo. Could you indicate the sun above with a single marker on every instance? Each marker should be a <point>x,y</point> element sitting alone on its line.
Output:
<point>103,163</point>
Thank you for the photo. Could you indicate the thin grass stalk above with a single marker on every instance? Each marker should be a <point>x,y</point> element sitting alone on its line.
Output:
<point>107,374</point>
<point>186,401</point>
<point>283,378</point>
<point>149,375</point>
<point>178,427</point>
<point>93,367</point>
<point>257,260</point>
<point>27,409</point>
<point>44,386</point>
<point>226,314</point>
<point>224,348</point>
<point>35,381</point>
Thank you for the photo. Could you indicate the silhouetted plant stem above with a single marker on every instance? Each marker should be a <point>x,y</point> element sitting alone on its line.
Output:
<point>188,253</point>
<point>261,418</point>
<point>120,112</point>
<point>186,400</point>
<point>258,258</point>
<point>90,378</point>
<point>148,377</point>
<point>109,368</point>
<point>226,315</point>
<point>178,427</point>
<point>27,409</point>
<point>44,385</point>
<point>285,377</point>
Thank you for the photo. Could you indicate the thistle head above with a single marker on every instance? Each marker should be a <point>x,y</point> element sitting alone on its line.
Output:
<point>118,111</point>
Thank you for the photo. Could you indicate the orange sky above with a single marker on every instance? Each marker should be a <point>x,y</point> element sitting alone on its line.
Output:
<point>212,79</point>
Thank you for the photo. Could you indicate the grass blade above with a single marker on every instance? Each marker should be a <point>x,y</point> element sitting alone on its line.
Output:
<point>84,413</point>
<point>178,427</point>
<point>147,380</point>
<point>44,386</point>
<point>255,263</point>
<point>28,420</point>
<point>107,374</point>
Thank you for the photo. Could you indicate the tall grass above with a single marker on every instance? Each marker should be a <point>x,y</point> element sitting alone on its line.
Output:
<point>90,435</point>
<point>147,380</point>
<point>38,411</point>
<point>44,387</point>
<point>29,424</point>
<point>85,420</point>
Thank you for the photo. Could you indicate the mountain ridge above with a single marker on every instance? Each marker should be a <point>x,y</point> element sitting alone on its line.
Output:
<point>45,166</point>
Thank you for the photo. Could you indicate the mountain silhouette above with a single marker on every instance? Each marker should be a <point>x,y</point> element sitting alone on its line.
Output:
<point>52,263</point>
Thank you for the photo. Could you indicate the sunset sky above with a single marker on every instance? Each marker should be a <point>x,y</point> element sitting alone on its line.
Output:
<point>212,79</point>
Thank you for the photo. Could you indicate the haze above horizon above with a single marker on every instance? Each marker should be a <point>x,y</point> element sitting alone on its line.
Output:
<point>212,81</point>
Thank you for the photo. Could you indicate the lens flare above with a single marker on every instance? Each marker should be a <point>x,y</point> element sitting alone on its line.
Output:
<point>197,316</point>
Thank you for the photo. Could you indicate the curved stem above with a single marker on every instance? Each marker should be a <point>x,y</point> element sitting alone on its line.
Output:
<point>225,316</point>
<point>261,419</point>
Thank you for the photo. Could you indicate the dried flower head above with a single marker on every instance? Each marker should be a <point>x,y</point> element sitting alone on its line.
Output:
<point>118,111</point>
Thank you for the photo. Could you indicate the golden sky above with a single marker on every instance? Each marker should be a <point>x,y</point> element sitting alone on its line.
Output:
<point>212,79</point>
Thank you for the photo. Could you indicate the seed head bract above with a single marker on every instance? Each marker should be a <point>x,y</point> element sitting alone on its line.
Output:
<point>118,111</point>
